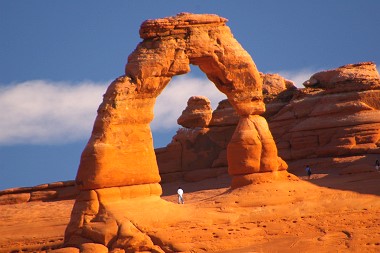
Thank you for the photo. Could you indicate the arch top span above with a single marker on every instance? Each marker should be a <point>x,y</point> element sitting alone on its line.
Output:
<point>170,44</point>
<point>120,151</point>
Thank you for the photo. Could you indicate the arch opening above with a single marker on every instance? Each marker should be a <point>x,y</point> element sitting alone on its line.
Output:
<point>173,100</point>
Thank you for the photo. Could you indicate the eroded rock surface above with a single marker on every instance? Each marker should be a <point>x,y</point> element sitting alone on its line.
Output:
<point>274,84</point>
<point>198,153</point>
<point>119,162</point>
<point>333,125</point>
<point>44,192</point>
<point>336,123</point>
<point>350,77</point>
<point>197,113</point>
<point>121,142</point>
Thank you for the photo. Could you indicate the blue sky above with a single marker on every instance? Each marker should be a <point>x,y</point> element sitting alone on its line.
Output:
<point>58,57</point>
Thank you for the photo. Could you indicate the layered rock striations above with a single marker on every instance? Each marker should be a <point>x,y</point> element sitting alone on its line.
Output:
<point>119,163</point>
<point>196,152</point>
<point>45,192</point>
<point>350,77</point>
<point>333,123</point>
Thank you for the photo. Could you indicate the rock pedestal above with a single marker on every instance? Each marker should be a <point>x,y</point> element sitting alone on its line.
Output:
<point>198,113</point>
<point>333,124</point>
<point>252,149</point>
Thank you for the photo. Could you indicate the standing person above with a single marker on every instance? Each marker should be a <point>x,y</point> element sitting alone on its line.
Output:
<point>308,171</point>
<point>377,165</point>
<point>180,196</point>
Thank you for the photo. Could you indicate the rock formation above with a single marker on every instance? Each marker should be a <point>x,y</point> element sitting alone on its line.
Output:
<point>119,161</point>
<point>196,153</point>
<point>351,77</point>
<point>274,84</point>
<point>197,113</point>
<point>334,123</point>
<point>44,192</point>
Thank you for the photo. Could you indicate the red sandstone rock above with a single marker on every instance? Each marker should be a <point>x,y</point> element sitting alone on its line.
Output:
<point>224,115</point>
<point>119,161</point>
<point>194,149</point>
<point>252,148</point>
<point>340,120</point>
<point>185,149</point>
<point>93,248</point>
<point>131,239</point>
<point>66,250</point>
<point>102,232</point>
<point>43,195</point>
<point>360,76</point>
<point>311,125</point>
<point>198,113</point>
<point>202,174</point>
<point>68,192</point>
<point>169,158</point>
<point>14,198</point>
<point>274,84</point>
<point>330,125</point>
<point>43,192</point>
<point>121,142</point>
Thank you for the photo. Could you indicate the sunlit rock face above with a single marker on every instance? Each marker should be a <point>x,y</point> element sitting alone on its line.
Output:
<point>350,77</point>
<point>199,152</point>
<point>120,150</point>
<point>198,113</point>
<point>333,125</point>
<point>334,122</point>
<point>119,164</point>
<point>274,85</point>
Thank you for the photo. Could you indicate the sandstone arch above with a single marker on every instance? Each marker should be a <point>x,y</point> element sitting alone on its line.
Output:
<point>119,164</point>
<point>120,151</point>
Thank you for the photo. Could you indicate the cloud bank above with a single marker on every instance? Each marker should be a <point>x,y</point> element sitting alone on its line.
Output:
<point>44,112</point>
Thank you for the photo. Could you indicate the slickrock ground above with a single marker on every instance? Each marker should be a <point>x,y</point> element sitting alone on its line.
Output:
<point>329,213</point>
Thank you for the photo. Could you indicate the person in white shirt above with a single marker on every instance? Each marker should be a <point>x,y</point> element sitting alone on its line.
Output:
<point>180,196</point>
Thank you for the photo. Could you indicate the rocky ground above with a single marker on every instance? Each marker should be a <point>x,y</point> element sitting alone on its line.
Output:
<point>328,213</point>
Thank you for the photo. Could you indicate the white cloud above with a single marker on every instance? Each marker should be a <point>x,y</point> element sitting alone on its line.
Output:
<point>173,100</point>
<point>44,112</point>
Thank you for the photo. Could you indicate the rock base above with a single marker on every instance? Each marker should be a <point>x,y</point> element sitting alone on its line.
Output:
<point>259,178</point>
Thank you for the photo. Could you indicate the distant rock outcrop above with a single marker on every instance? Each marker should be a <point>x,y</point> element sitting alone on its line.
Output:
<point>197,113</point>
<point>44,192</point>
<point>274,84</point>
<point>333,123</point>
<point>350,77</point>
<point>196,153</point>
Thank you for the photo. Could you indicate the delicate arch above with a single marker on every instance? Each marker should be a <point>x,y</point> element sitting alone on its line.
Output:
<point>120,151</point>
